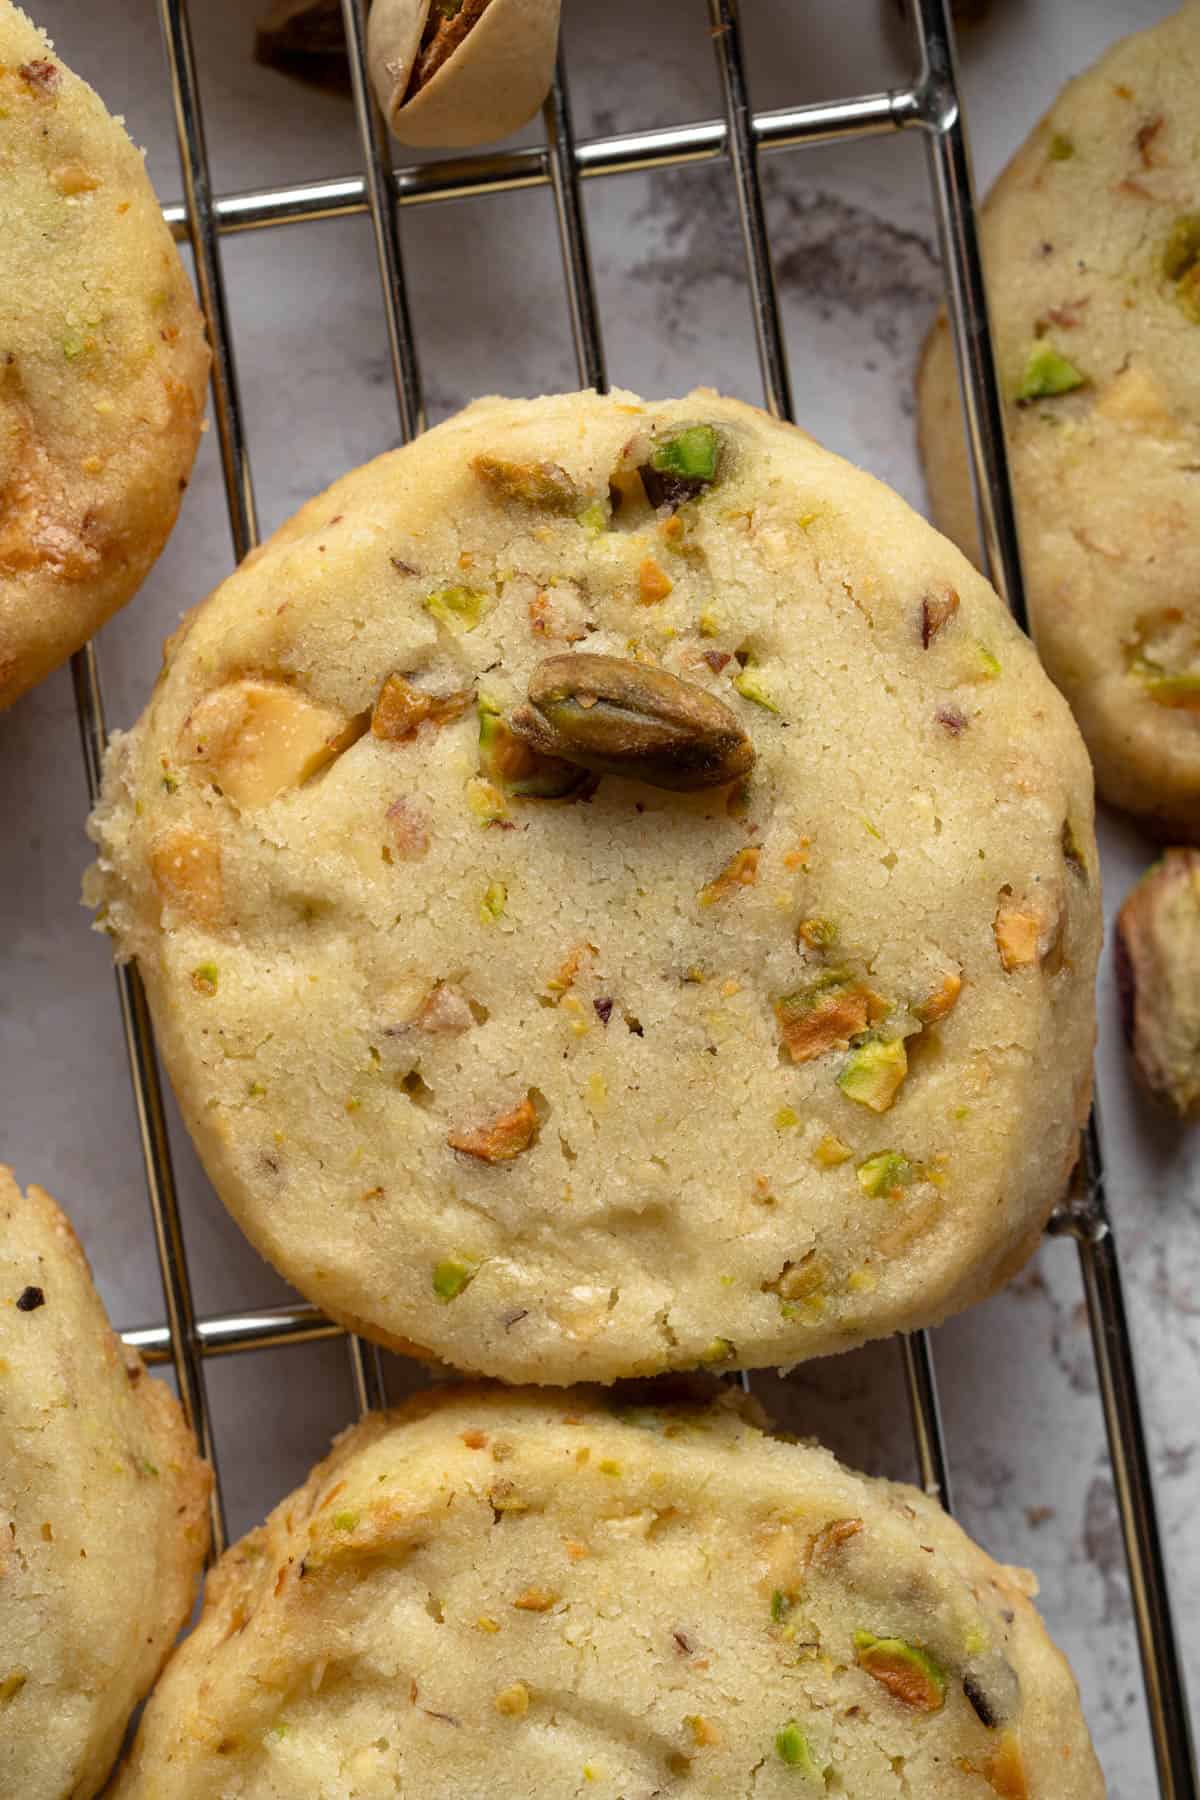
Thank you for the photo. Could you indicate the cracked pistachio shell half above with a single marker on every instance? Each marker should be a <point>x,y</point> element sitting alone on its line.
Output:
<point>450,76</point>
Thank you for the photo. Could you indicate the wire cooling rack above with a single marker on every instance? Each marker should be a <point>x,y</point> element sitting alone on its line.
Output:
<point>932,106</point>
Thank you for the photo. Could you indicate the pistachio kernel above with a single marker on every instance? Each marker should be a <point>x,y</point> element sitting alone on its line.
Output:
<point>451,1276</point>
<point>682,465</point>
<point>460,609</point>
<point>544,485</point>
<point>500,1139</point>
<point>887,1172</point>
<point>874,1072</point>
<point>1047,374</point>
<point>793,1748</point>
<point>909,1674</point>
<point>617,717</point>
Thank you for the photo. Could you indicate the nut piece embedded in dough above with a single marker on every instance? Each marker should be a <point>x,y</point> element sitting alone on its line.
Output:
<point>617,717</point>
<point>255,738</point>
<point>453,73</point>
<point>1158,974</point>
<point>186,866</point>
<point>500,1140</point>
<point>909,1674</point>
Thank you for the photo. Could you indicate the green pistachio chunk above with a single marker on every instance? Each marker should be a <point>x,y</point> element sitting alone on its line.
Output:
<point>909,1674</point>
<point>451,1277</point>
<point>750,686</point>
<point>1047,373</point>
<point>1062,149</point>
<point>873,1073</point>
<point>693,452</point>
<point>885,1173</point>
<point>460,609</point>
<point>1169,687</point>
<point>792,1748</point>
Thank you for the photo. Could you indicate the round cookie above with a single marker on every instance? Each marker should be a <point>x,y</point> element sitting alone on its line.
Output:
<point>557,1080</point>
<point>103,363</point>
<point>103,1514</point>
<point>489,1592</point>
<point>1092,243</point>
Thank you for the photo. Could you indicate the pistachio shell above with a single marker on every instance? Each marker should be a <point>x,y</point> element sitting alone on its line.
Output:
<point>622,718</point>
<point>489,86</point>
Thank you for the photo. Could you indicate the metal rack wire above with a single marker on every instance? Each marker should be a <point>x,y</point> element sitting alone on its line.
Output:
<point>931,105</point>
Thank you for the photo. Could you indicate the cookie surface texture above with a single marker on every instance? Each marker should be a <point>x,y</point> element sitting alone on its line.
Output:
<point>102,363</point>
<point>529,1595</point>
<point>557,1075</point>
<point>103,1519</point>
<point>1091,240</point>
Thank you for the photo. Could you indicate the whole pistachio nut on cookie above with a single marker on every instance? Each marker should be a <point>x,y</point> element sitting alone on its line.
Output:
<point>515,1593</point>
<point>103,363</point>
<point>617,717</point>
<point>452,73</point>
<point>1091,238</point>
<point>596,928</point>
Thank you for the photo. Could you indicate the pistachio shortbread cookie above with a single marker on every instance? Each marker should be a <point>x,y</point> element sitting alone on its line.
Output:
<point>501,1052</point>
<point>510,1593</point>
<point>102,363</point>
<point>103,1519</point>
<point>1092,243</point>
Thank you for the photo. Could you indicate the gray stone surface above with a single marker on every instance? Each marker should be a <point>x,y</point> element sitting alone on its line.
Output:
<point>859,280</point>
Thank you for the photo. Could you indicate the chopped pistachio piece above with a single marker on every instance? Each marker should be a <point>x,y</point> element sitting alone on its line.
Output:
<point>460,609</point>
<point>826,1015</point>
<point>909,1674</point>
<point>543,485</point>
<point>721,1349</point>
<point>452,1276</point>
<point>618,717</point>
<point>1158,977</point>
<point>942,1000</point>
<point>513,1702</point>
<point>792,1748</point>
<point>500,1139</point>
<point>781,1605</point>
<point>345,1521</point>
<point>1047,373</point>
<point>937,610</point>
<point>1062,149</point>
<point>495,899</point>
<point>401,708</point>
<point>594,518</point>
<point>740,871</point>
<point>204,979</point>
<point>817,934</point>
<point>750,686</point>
<point>682,465</point>
<point>887,1172</point>
<point>874,1072</point>
<point>654,584</point>
<point>1020,932</point>
<point>830,1153</point>
<point>1178,688</point>
<point>982,665</point>
<point>785,1118</point>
